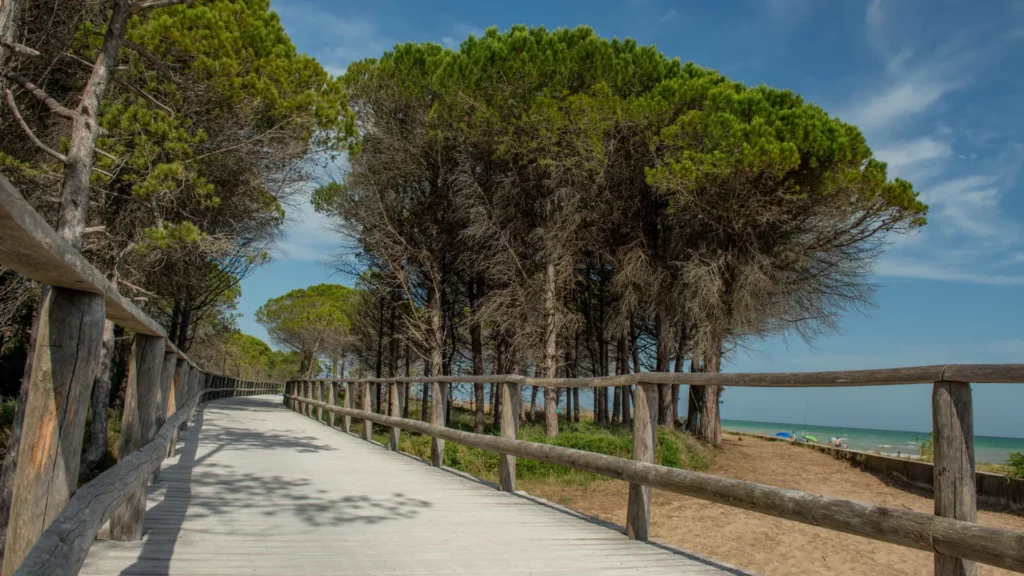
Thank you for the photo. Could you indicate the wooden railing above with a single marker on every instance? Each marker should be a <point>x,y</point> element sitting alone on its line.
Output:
<point>51,524</point>
<point>952,534</point>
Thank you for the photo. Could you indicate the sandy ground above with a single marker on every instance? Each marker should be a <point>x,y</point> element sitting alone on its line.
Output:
<point>767,545</point>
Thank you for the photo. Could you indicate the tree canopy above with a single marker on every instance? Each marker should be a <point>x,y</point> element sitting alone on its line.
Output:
<point>309,321</point>
<point>592,201</point>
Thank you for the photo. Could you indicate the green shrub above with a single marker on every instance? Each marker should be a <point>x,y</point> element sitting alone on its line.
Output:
<point>1016,466</point>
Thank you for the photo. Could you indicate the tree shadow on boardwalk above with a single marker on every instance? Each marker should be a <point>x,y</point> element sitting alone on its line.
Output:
<point>219,489</point>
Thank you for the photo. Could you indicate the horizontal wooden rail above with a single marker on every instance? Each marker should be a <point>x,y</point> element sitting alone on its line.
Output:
<point>980,373</point>
<point>32,248</point>
<point>62,547</point>
<point>985,544</point>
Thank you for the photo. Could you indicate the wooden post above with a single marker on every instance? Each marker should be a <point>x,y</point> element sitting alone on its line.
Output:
<point>437,400</point>
<point>175,401</point>
<point>367,407</point>
<point>186,393</point>
<point>334,402</point>
<point>645,438</point>
<point>346,420</point>
<point>319,398</point>
<point>138,427</point>
<point>164,397</point>
<point>510,398</point>
<point>955,491</point>
<point>394,434</point>
<point>65,357</point>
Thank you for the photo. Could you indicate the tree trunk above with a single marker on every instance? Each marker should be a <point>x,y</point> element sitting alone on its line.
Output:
<point>550,352</point>
<point>661,365</point>
<point>533,403</point>
<point>100,401</point>
<point>185,326</point>
<point>74,205</point>
<point>10,16</point>
<point>437,399</point>
<point>477,345</point>
<point>408,385</point>
<point>695,398</point>
<point>710,427</point>
<point>576,404</point>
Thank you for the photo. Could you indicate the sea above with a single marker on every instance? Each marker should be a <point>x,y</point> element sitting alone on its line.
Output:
<point>987,449</point>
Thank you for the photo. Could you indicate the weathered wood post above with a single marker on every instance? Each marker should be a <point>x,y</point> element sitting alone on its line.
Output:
<point>510,397</point>
<point>953,441</point>
<point>66,353</point>
<point>645,437</point>
<point>394,434</point>
<point>319,398</point>
<point>164,398</point>
<point>346,420</point>
<point>175,402</point>
<point>187,392</point>
<point>437,399</point>
<point>367,407</point>
<point>334,402</point>
<point>138,426</point>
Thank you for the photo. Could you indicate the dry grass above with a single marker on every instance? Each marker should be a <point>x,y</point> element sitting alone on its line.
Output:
<point>761,543</point>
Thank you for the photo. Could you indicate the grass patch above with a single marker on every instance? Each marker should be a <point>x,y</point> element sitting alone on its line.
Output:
<point>674,449</point>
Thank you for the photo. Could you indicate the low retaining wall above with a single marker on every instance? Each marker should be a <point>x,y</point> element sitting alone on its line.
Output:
<point>994,490</point>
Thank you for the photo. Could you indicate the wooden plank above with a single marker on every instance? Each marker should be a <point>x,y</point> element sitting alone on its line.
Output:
<point>645,439</point>
<point>138,427</point>
<point>511,397</point>
<point>955,492</point>
<point>381,513</point>
<point>64,363</point>
<point>394,433</point>
<point>62,548</point>
<point>985,544</point>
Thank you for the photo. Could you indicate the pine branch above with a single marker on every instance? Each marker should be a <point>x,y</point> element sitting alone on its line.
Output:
<point>28,131</point>
<point>54,106</point>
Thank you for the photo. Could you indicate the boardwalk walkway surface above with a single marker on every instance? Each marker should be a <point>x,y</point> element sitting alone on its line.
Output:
<point>258,489</point>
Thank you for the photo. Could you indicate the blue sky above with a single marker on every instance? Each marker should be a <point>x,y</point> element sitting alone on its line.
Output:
<point>935,86</point>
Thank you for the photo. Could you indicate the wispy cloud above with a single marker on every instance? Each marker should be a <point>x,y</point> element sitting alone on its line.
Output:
<point>307,235</point>
<point>905,153</point>
<point>896,268</point>
<point>900,101</point>
<point>668,16</point>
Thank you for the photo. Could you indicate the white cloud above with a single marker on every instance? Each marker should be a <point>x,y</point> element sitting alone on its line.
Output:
<point>875,15</point>
<point>898,154</point>
<point>669,16</point>
<point>307,235</point>
<point>894,268</point>
<point>448,41</point>
<point>898,103</point>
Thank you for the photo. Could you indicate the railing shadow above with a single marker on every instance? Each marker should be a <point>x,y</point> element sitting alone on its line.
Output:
<point>187,496</point>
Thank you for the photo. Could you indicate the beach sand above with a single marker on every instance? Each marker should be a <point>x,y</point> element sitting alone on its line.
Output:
<point>764,544</point>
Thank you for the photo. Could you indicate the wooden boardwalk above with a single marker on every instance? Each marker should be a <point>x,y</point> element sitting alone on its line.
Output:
<point>258,489</point>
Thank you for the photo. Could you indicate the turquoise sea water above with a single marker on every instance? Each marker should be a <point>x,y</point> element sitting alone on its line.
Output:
<point>987,449</point>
